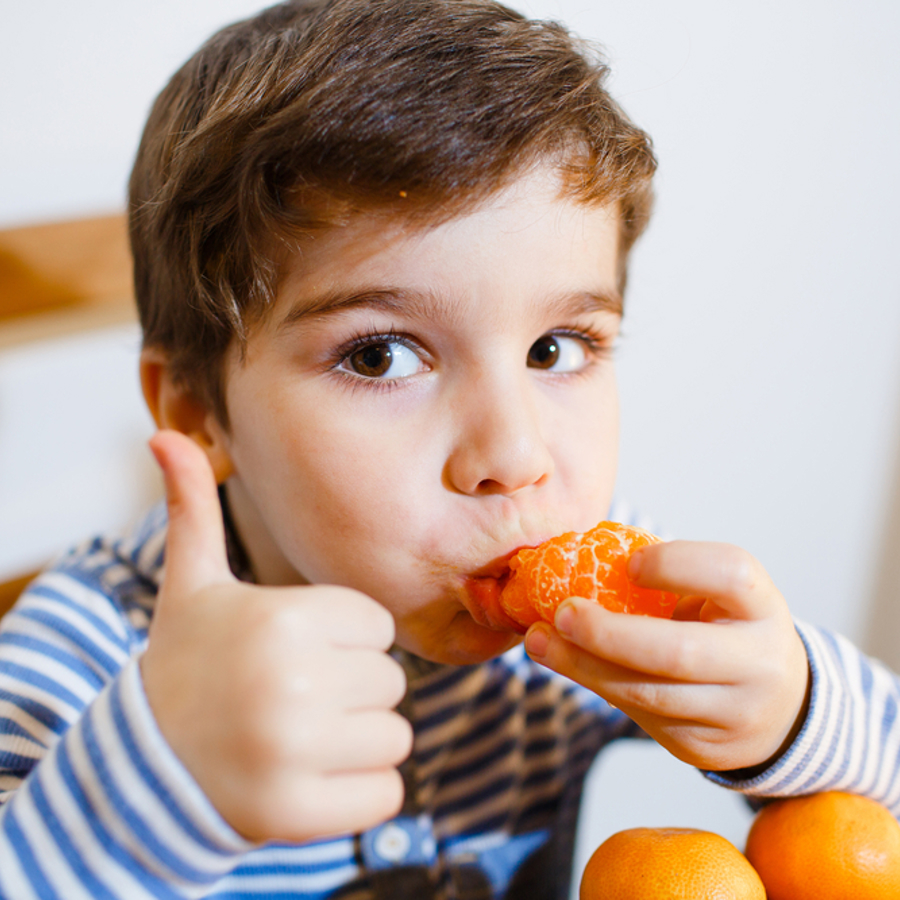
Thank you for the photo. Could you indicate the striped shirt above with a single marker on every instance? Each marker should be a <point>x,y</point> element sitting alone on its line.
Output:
<point>94,804</point>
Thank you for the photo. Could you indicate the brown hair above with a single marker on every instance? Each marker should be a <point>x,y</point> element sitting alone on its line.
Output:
<point>314,109</point>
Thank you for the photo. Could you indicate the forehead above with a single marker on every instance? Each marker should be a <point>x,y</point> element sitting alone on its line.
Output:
<point>527,237</point>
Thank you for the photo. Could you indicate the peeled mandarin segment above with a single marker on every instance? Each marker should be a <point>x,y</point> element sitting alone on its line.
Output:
<point>592,565</point>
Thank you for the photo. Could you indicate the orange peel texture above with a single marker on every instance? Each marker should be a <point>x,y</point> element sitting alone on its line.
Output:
<point>669,864</point>
<point>592,565</point>
<point>826,846</point>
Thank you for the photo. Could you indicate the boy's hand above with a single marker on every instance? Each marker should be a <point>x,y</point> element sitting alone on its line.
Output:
<point>723,686</point>
<point>279,701</point>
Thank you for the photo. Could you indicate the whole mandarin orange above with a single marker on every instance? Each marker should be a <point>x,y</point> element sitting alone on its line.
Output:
<point>669,864</point>
<point>592,565</point>
<point>826,846</point>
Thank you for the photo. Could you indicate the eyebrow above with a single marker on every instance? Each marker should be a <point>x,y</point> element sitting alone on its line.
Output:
<point>426,303</point>
<point>333,302</point>
<point>584,302</point>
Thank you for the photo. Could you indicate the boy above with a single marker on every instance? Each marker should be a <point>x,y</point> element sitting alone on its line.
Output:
<point>380,249</point>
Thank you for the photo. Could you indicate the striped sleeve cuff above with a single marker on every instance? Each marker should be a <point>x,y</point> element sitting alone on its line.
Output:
<point>851,738</point>
<point>111,813</point>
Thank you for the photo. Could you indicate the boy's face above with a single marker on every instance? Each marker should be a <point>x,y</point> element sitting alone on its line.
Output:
<point>419,403</point>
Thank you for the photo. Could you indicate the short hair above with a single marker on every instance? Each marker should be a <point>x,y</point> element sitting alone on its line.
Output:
<point>295,119</point>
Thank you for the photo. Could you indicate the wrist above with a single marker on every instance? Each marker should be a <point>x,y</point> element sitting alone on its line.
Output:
<point>747,773</point>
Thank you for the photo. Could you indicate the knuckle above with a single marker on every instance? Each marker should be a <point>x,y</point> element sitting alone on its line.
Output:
<point>361,678</point>
<point>391,793</point>
<point>682,657</point>
<point>395,680</point>
<point>383,677</point>
<point>383,627</point>
<point>277,736</point>
<point>379,613</point>
<point>274,622</point>
<point>402,737</point>
<point>361,618</point>
<point>740,571</point>
<point>350,599</point>
<point>645,695</point>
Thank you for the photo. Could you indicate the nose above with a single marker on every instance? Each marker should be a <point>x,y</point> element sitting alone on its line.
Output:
<point>500,446</point>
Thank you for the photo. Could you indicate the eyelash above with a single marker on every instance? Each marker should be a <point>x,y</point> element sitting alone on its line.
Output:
<point>599,345</point>
<point>361,341</point>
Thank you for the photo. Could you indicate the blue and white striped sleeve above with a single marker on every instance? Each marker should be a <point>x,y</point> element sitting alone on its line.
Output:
<point>851,738</point>
<point>94,802</point>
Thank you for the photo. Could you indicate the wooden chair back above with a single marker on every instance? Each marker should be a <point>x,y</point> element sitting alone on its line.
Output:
<point>11,589</point>
<point>57,279</point>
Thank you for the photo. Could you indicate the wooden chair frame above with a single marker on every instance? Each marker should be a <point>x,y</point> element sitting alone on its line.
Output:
<point>57,279</point>
<point>10,590</point>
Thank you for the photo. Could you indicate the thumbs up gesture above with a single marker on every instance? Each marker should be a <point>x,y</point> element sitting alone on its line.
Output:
<point>278,700</point>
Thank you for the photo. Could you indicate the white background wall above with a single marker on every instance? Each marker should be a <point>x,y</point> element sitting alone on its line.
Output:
<point>760,368</point>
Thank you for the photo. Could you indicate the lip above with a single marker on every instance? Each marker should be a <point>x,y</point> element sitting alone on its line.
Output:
<point>497,568</point>
<point>481,595</point>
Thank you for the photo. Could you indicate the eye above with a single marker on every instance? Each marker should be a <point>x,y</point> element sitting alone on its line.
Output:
<point>558,353</point>
<point>384,359</point>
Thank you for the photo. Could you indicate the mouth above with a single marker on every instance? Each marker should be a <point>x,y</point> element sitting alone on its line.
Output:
<point>481,595</point>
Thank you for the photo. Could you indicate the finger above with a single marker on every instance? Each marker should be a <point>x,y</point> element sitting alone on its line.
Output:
<point>195,545</point>
<point>329,805</point>
<point>696,652</point>
<point>730,576</point>
<point>359,800</point>
<point>355,679</point>
<point>357,741</point>
<point>636,693</point>
<point>344,617</point>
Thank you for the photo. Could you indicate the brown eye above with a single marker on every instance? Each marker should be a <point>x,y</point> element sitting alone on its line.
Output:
<point>560,354</point>
<point>372,361</point>
<point>544,353</point>
<point>384,360</point>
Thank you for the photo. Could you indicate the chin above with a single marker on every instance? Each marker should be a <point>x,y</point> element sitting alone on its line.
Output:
<point>463,643</point>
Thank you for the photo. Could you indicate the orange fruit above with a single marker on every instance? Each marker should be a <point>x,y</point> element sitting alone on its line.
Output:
<point>669,864</point>
<point>592,565</point>
<point>827,846</point>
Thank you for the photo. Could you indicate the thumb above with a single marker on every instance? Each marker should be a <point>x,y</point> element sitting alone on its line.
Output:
<point>735,582</point>
<point>195,545</point>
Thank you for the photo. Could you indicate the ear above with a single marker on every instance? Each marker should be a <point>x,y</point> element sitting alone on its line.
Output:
<point>174,406</point>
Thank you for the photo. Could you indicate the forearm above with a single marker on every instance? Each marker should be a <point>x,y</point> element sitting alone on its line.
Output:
<point>110,812</point>
<point>850,739</point>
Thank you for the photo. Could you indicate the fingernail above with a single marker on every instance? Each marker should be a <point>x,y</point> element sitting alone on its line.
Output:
<point>565,619</point>
<point>537,640</point>
<point>152,445</point>
<point>634,566</point>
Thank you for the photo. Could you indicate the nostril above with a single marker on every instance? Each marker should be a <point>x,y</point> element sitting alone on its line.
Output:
<point>489,486</point>
<point>501,448</point>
